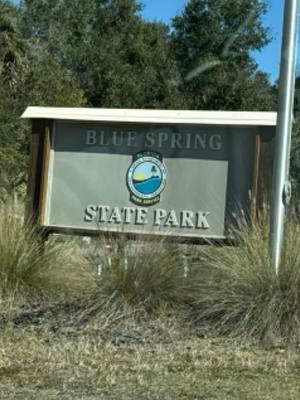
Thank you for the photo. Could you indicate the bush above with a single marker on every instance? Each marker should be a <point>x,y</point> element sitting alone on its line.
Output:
<point>240,294</point>
<point>26,267</point>
<point>232,290</point>
<point>147,273</point>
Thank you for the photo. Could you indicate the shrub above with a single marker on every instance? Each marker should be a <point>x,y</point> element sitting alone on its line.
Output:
<point>26,267</point>
<point>240,294</point>
<point>143,273</point>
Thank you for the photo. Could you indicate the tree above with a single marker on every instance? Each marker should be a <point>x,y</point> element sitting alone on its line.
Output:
<point>50,84</point>
<point>153,170</point>
<point>102,53</point>
<point>295,151</point>
<point>13,68</point>
<point>27,77</point>
<point>12,46</point>
<point>117,58</point>
<point>212,41</point>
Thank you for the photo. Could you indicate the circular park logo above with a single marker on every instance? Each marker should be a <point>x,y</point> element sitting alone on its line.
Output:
<point>146,178</point>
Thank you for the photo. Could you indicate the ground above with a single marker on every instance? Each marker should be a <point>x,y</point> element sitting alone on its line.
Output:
<point>50,354</point>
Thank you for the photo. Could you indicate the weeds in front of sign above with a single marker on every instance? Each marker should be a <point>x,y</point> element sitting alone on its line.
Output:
<point>27,269</point>
<point>146,274</point>
<point>231,291</point>
<point>240,294</point>
<point>128,353</point>
<point>226,290</point>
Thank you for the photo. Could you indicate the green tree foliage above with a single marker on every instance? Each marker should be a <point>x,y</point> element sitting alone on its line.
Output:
<point>27,77</point>
<point>13,69</point>
<point>12,46</point>
<point>50,84</point>
<point>118,59</point>
<point>295,156</point>
<point>102,53</point>
<point>212,41</point>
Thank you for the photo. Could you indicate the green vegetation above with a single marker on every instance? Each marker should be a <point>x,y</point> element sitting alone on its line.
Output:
<point>30,271</point>
<point>144,327</point>
<point>104,54</point>
<point>100,53</point>
<point>133,322</point>
<point>227,291</point>
<point>149,275</point>
<point>295,154</point>
<point>212,42</point>
<point>241,296</point>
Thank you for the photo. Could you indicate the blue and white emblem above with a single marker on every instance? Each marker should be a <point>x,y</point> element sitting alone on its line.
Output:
<point>146,178</point>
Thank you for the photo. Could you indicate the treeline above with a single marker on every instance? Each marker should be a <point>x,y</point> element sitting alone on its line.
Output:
<point>102,53</point>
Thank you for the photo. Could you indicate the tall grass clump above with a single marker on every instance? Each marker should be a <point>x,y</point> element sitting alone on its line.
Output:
<point>146,274</point>
<point>28,269</point>
<point>240,294</point>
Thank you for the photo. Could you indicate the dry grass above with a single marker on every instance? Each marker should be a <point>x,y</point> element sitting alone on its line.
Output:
<point>43,365</point>
<point>28,270</point>
<point>232,290</point>
<point>108,343</point>
<point>240,294</point>
<point>141,274</point>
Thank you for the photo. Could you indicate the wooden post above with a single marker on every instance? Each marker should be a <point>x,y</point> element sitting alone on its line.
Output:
<point>34,169</point>
<point>44,175</point>
<point>37,173</point>
<point>265,174</point>
<point>255,177</point>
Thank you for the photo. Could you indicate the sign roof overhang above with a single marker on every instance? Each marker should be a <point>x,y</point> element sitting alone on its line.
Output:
<point>229,118</point>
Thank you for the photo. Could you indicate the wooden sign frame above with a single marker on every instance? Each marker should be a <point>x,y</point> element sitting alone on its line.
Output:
<point>40,146</point>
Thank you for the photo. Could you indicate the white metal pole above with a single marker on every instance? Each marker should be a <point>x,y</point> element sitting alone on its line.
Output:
<point>281,187</point>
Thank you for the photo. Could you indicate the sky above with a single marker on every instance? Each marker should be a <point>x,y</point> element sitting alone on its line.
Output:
<point>268,58</point>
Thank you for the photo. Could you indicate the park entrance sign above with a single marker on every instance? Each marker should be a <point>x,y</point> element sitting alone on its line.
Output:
<point>176,173</point>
